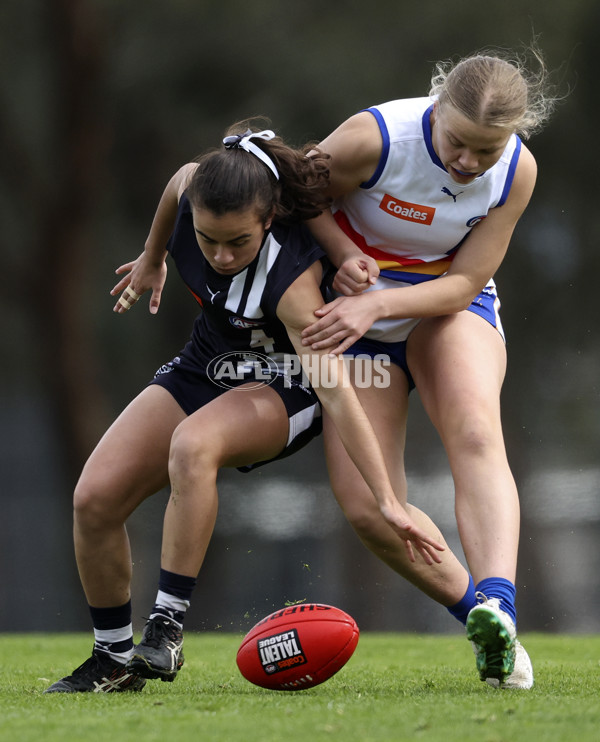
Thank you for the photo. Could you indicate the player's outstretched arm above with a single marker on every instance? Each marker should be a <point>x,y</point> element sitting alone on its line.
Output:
<point>330,379</point>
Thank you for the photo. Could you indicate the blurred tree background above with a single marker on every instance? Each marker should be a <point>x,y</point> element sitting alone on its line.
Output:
<point>101,102</point>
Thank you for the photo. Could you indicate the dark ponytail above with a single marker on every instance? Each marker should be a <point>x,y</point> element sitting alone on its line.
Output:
<point>232,179</point>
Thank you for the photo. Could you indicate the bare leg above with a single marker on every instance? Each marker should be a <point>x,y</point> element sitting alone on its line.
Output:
<point>128,464</point>
<point>387,409</point>
<point>238,428</point>
<point>459,363</point>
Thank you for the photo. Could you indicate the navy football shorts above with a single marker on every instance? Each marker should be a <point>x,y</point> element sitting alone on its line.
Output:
<point>192,388</point>
<point>486,305</point>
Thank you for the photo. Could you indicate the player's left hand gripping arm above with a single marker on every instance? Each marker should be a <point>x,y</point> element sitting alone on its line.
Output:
<point>356,270</point>
<point>329,376</point>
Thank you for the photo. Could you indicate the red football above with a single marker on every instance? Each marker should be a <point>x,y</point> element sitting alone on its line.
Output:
<point>297,647</point>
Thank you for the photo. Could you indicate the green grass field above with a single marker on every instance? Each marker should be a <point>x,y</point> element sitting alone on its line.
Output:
<point>396,687</point>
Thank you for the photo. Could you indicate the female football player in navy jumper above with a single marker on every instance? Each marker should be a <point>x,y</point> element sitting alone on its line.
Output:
<point>427,192</point>
<point>232,223</point>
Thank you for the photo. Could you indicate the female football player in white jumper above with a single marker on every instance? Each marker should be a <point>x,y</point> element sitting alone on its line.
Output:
<point>427,194</point>
<point>233,225</point>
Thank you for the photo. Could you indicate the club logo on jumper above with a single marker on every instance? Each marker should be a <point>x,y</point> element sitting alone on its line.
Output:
<point>233,368</point>
<point>475,220</point>
<point>453,196</point>
<point>280,652</point>
<point>245,324</point>
<point>407,211</point>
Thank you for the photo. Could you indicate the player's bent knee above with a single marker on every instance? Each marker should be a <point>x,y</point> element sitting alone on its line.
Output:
<point>93,506</point>
<point>191,456</point>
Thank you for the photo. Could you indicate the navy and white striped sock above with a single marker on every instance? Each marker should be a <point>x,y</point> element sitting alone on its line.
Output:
<point>113,631</point>
<point>173,596</point>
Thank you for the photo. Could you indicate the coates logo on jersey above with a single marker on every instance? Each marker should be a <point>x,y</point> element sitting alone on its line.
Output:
<point>407,211</point>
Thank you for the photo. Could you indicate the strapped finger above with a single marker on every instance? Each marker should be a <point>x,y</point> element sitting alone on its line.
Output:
<point>128,298</point>
<point>124,302</point>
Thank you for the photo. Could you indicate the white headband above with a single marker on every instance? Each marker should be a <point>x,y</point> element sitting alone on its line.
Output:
<point>244,141</point>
